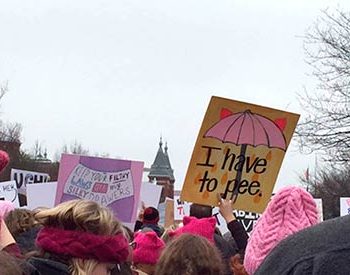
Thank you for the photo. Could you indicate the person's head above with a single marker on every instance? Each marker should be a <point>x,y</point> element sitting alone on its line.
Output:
<point>150,215</point>
<point>19,221</point>
<point>200,211</point>
<point>290,210</point>
<point>146,252</point>
<point>4,160</point>
<point>5,208</point>
<point>204,227</point>
<point>84,234</point>
<point>190,255</point>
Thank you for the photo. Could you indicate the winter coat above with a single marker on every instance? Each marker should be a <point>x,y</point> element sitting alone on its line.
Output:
<point>44,266</point>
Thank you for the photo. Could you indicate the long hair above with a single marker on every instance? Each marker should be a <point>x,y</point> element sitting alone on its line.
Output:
<point>82,215</point>
<point>19,221</point>
<point>190,255</point>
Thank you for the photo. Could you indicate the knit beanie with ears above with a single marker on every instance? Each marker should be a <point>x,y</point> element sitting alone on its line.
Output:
<point>150,216</point>
<point>204,227</point>
<point>290,210</point>
<point>148,247</point>
<point>5,208</point>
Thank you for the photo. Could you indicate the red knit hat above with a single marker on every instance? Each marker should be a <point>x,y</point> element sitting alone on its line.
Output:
<point>4,160</point>
<point>148,248</point>
<point>150,215</point>
<point>204,227</point>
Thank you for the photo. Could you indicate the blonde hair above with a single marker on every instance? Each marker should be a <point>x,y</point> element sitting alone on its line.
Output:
<point>80,215</point>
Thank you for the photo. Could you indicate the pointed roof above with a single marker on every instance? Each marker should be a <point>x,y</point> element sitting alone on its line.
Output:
<point>161,166</point>
<point>171,171</point>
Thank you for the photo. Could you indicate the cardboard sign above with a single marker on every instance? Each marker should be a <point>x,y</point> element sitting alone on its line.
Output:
<point>344,206</point>
<point>169,212</point>
<point>109,182</point>
<point>23,178</point>
<point>150,194</point>
<point>9,192</point>
<point>41,195</point>
<point>239,150</point>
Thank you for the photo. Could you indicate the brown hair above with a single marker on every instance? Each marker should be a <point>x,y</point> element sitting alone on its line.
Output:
<point>19,221</point>
<point>83,215</point>
<point>190,255</point>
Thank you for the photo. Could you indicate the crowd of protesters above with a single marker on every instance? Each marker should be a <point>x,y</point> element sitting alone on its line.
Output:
<point>81,237</point>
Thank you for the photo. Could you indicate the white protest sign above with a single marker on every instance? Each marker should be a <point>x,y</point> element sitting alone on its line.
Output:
<point>23,178</point>
<point>220,221</point>
<point>41,195</point>
<point>150,194</point>
<point>319,207</point>
<point>9,192</point>
<point>344,206</point>
<point>181,209</point>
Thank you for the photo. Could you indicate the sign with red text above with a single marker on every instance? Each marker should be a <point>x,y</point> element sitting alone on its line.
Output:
<point>110,182</point>
<point>239,151</point>
<point>181,209</point>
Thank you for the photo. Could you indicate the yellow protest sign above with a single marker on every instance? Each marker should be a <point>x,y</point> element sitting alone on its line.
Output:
<point>239,150</point>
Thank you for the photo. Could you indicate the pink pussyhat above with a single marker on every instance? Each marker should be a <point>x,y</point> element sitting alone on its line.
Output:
<point>204,227</point>
<point>5,208</point>
<point>148,247</point>
<point>290,210</point>
<point>4,160</point>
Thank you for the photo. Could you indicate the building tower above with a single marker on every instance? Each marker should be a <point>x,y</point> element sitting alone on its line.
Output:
<point>161,172</point>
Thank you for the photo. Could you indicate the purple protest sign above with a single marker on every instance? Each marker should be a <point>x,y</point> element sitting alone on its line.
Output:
<point>110,182</point>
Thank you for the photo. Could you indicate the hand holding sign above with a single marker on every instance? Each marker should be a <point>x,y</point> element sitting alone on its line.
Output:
<point>225,209</point>
<point>141,211</point>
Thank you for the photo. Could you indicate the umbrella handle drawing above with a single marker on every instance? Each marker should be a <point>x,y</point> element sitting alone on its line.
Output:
<point>234,194</point>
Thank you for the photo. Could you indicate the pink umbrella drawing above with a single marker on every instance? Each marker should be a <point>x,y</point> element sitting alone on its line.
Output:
<point>247,128</point>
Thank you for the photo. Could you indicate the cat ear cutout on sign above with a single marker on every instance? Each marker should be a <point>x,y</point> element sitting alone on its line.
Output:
<point>281,123</point>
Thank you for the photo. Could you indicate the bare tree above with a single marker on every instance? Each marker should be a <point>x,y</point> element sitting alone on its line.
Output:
<point>10,132</point>
<point>326,128</point>
<point>74,148</point>
<point>329,185</point>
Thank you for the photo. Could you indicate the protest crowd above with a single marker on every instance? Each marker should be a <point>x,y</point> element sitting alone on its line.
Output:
<point>82,237</point>
<point>100,225</point>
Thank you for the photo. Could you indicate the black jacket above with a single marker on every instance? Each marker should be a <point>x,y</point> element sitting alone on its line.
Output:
<point>322,249</point>
<point>44,266</point>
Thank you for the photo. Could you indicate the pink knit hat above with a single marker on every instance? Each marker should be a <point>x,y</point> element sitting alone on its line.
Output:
<point>290,210</point>
<point>148,248</point>
<point>204,227</point>
<point>4,160</point>
<point>5,208</point>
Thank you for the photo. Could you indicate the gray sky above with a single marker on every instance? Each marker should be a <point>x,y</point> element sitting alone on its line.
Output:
<point>114,75</point>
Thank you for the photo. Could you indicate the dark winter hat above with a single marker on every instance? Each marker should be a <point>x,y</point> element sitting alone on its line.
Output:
<point>150,215</point>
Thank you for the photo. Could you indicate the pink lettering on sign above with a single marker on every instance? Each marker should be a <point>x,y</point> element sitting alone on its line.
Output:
<point>181,210</point>
<point>100,187</point>
<point>348,202</point>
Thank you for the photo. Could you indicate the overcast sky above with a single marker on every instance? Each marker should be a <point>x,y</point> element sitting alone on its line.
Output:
<point>115,75</point>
